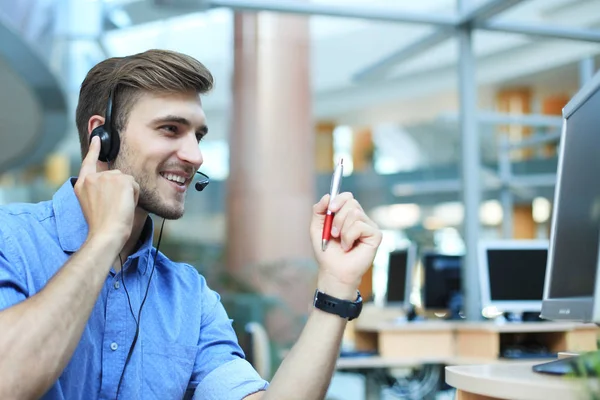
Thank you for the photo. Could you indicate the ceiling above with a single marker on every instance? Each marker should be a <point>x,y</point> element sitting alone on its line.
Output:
<point>342,48</point>
<point>411,93</point>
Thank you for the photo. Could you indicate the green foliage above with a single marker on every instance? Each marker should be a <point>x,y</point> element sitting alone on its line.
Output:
<point>586,369</point>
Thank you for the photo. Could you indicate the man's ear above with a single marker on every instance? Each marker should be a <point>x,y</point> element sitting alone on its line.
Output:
<point>94,122</point>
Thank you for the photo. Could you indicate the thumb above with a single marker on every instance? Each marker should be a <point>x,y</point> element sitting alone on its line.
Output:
<point>320,209</point>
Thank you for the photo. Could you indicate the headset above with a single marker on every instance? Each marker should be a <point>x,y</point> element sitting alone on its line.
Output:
<point>110,142</point>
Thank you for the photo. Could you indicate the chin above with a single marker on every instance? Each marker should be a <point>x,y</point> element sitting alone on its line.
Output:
<point>170,214</point>
<point>165,211</point>
<point>173,212</point>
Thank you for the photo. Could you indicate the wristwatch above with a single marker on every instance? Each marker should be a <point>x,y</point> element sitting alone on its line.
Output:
<point>343,308</point>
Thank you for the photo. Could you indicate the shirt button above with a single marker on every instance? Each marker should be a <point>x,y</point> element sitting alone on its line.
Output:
<point>114,346</point>
<point>116,285</point>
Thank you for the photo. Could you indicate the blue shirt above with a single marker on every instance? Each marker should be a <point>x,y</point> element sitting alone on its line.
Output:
<point>186,345</point>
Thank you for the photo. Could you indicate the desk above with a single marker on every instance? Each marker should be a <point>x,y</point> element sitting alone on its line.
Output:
<point>484,339</point>
<point>456,343</point>
<point>512,380</point>
<point>467,340</point>
<point>424,339</point>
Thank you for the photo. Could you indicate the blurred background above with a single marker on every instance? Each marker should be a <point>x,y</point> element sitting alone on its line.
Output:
<point>447,114</point>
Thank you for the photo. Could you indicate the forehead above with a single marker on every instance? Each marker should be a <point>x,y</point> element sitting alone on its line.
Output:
<point>149,106</point>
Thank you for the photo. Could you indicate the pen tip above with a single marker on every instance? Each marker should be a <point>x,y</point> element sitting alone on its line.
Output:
<point>323,244</point>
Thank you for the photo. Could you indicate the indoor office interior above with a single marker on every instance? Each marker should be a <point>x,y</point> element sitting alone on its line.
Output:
<point>448,115</point>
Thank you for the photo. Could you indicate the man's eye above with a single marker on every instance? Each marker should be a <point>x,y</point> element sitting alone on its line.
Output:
<point>169,128</point>
<point>199,137</point>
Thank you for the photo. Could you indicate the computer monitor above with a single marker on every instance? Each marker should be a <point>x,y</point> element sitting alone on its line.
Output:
<point>441,280</point>
<point>571,290</point>
<point>399,276</point>
<point>512,274</point>
<point>571,287</point>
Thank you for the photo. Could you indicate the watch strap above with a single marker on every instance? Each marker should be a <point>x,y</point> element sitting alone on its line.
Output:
<point>343,308</point>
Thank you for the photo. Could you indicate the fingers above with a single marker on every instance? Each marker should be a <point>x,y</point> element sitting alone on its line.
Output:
<point>340,201</point>
<point>88,166</point>
<point>347,209</point>
<point>351,223</point>
<point>360,231</point>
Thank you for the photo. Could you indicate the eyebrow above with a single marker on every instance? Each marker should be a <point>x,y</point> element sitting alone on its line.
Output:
<point>178,120</point>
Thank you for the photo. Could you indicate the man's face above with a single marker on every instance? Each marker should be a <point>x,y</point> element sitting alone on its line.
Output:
<point>159,148</point>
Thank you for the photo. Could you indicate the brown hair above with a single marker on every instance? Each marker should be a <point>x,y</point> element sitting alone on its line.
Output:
<point>128,77</point>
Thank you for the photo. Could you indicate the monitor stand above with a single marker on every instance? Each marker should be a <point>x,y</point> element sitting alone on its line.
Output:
<point>586,364</point>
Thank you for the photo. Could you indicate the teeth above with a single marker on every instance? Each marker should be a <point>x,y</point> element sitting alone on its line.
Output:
<point>174,178</point>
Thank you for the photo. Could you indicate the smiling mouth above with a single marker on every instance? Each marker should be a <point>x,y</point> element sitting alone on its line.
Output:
<point>176,179</point>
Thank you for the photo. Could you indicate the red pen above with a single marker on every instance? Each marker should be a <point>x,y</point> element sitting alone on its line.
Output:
<point>336,182</point>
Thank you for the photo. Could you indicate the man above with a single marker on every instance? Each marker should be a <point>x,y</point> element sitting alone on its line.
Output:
<point>76,271</point>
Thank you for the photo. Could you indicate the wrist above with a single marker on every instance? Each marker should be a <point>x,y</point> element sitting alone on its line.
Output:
<point>337,288</point>
<point>106,242</point>
<point>346,309</point>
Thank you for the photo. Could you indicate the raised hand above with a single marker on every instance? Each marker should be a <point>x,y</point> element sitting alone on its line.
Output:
<point>355,239</point>
<point>107,198</point>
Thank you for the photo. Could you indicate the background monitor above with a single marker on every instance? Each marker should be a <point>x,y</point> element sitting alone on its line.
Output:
<point>441,280</point>
<point>571,287</point>
<point>512,274</point>
<point>399,276</point>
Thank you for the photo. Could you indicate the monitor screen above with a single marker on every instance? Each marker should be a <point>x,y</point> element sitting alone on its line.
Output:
<point>396,280</point>
<point>577,206</point>
<point>442,279</point>
<point>516,274</point>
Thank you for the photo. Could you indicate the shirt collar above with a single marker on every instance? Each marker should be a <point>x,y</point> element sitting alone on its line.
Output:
<point>72,228</point>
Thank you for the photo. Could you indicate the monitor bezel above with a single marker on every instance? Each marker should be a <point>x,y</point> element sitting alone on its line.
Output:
<point>411,257</point>
<point>484,276</point>
<point>580,309</point>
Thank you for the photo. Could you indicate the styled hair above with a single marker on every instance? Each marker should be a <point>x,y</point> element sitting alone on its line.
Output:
<point>127,78</point>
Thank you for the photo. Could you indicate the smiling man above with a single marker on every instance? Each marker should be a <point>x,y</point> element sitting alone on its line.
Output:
<point>77,271</point>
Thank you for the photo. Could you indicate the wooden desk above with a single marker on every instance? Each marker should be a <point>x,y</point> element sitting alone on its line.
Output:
<point>425,339</point>
<point>467,340</point>
<point>513,380</point>
<point>484,339</point>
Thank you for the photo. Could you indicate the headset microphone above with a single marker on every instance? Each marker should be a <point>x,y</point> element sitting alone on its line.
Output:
<point>200,185</point>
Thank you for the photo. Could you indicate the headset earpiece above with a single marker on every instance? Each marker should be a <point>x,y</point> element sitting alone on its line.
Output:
<point>104,142</point>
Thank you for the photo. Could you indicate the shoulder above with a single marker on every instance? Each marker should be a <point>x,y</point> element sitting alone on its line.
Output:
<point>24,218</point>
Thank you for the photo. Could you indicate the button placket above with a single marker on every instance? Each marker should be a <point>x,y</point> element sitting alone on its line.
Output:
<point>116,327</point>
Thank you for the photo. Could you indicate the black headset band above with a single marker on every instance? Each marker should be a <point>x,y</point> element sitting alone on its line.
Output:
<point>109,124</point>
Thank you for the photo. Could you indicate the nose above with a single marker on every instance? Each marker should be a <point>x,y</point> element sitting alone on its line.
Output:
<point>189,151</point>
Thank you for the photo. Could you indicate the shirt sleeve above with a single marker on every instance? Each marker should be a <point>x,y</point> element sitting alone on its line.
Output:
<point>13,289</point>
<point>221,370</point>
